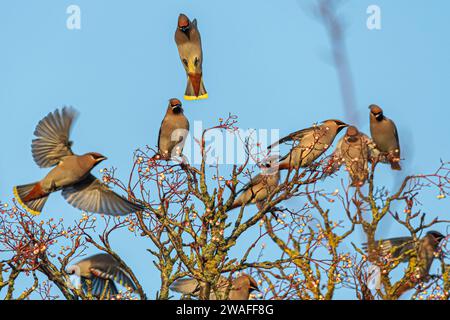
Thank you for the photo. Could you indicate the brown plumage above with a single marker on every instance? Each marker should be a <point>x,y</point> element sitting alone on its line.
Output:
<point>354,150</point>
<point>384,134</point>
<point>103,270</point>
<point>259,188</point>
<point>173,132</point>
<point>189,44</point>
<point>239,289</point>
<point>71,172</point>
<point>309,144</point>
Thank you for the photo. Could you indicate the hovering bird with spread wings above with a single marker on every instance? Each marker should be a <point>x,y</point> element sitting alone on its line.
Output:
<point>71,172</point>
<point>103,270</point>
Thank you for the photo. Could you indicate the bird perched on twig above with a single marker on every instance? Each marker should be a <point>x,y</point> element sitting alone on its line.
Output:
<point>189,44</point>
<point>309,144</point>
<point>102,269</point>
<point>71,172</point>
<point>260,187</point>
<point>173,132</point>
<point>384,134</point>
<point>241,287</point>
<point>425,250</point>
<point>355,150</point>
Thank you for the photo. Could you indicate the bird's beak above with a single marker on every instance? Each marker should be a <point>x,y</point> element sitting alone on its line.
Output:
<point>196,79</point>
<point>177,106</point>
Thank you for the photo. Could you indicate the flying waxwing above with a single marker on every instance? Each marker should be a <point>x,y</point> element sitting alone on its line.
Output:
<point>355,150</point>
<point>384,134</point>
<point>102,269</point>
<point>173,132</point>
<point>260,187</point>
<point>309,144</point>
<point>71,172</point>
<point>241,287</point>
<point>187,38</point>
<point>426,249</point>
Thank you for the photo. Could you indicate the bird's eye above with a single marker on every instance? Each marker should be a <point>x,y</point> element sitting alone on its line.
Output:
<point>196,61</point>
<point>185,62</point>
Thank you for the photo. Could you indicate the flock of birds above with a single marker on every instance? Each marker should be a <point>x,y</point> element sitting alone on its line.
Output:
<point>72,173</point>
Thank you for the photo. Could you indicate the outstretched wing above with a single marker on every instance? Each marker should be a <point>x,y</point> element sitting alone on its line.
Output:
<point>93,196</point>
<point>109,269</point>
<point>53,133</point>
<point>100,288</point>
<point>396,247</point>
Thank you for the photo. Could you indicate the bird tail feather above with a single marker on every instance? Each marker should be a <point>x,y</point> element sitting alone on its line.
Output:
<point>31,197</point>
<point>395,165</point>
<point>195,89</point>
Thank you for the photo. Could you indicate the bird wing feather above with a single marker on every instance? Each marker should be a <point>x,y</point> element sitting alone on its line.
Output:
<point>295,136</point>
<point>91,195</point>
<point>53,134</point>
<point>396,247</point>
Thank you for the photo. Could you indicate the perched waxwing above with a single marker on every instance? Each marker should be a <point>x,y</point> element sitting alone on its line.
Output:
<point>355,150</point>
<point>71,172</point>
<point>384,134</point>
<point>103,270</point>
<point>187,38</point>
<point>241,287</point>
<point>309,144</point>
<point>425,249</point>
<point>260,187</point>
<point>173,132</point>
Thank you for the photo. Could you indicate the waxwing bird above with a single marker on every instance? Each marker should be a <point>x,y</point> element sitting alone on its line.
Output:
<point>173,132</point>
<point>384,134</point>
<point>260,187</point>
<point>355,150</point>
<point>71,172</point>
<point>241,287</point>
<point>425,249</point>
<point>103,270</point>
<point>309,144</point>
<point>189,44</point>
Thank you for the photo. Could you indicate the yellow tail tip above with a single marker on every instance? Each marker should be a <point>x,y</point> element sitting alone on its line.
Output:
<point>29,210</point>
<point>203,96</point>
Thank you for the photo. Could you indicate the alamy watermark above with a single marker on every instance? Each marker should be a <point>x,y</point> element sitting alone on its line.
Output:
<point>374,19</point>
<point>73,21</point>
<point>228,147</point>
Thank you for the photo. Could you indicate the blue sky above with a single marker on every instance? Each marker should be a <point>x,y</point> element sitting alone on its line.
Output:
<point>265,61</point>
